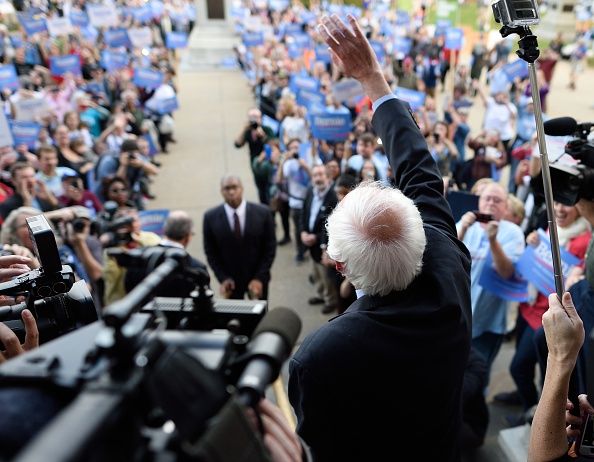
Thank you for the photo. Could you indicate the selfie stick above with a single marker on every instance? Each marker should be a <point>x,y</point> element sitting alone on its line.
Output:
<point>529,52</point>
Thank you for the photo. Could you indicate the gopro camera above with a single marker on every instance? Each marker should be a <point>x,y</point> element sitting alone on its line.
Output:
<point>516,13</point>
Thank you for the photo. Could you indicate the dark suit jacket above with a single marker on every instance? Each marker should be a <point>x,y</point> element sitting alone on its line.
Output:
<point>383,381</point>
<point>245,259</point>
<point>319,228</point>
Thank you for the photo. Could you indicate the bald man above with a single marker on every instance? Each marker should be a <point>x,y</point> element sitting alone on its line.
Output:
<point>502,242</point>
<point>239,243</point>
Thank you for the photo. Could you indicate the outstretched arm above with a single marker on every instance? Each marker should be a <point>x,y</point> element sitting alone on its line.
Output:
<point>414,169</point>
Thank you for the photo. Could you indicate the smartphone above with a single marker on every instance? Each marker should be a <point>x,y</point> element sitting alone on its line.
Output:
<point>586,447</point>
<point>483,217</point>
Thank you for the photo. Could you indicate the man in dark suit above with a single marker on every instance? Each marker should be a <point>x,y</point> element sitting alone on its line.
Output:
<point>318,204</point>
<point>383,380</point>
<point>239,243</point>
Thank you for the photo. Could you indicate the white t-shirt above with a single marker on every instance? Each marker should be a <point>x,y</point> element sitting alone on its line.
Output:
<point>499,117</point>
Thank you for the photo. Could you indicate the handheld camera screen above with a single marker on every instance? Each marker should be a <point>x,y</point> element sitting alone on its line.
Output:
<point>44,242</point>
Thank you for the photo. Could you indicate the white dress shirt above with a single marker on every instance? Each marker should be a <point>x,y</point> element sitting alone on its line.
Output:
<point>230,211</point>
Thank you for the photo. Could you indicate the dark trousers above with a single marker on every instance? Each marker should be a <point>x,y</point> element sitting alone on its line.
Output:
<point>263,187</point>
<point>241,291</point>
<point>300,247</point>
<point>524,362</point>
<point>283,211</point>
<point>488,345</point>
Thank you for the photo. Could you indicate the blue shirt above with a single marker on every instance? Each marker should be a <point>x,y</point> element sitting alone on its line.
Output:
<point>488,310</point>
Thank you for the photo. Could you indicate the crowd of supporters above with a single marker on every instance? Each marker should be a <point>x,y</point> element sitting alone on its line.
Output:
<point>88,95</point>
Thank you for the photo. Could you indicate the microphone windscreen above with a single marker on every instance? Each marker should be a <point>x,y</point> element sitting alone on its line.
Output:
<point>282,321</point>
<point>561,126</point>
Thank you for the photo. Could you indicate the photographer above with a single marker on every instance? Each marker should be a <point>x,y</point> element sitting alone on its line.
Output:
<point>128,236</point>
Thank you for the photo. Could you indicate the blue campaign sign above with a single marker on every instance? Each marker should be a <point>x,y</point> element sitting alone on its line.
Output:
<point>116,38</point>
<point>536,264</point>
<point>380,50</point>
<point>89,33</point>
<point>32,25</point>
<point>60,65</point>
<point>302,40</point>
<point>331,127</point>
<point>147,78</point>
<point>278,5</point>
<point>25,133</point>
<point>167,106</point>
<point>416,99</point>
<point>454,38</point>
<point>516,69</point>
<point>402,45</point>
<point>322,54</point>
<point>157,8</point>
<point>308,16</point>
<point>304,82</point>
<point>294,50</point>
<point>253,39</point>
<point>79,18</point>
<point>143,13</point>
<point>153,220</point>
<point>271,123</point>
<point>402,18</point>
<point>114,60</point>
<point>308,98</point>
<point>293,28</point>
<point>16,39</point>
<point>305,151</point>
<point>8,77</point>
<point>512,289</point>
<point>176,40</point>
<point>441,26</point>
<point>347,90</point>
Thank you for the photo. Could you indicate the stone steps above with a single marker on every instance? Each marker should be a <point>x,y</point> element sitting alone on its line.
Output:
<point>210,48</point>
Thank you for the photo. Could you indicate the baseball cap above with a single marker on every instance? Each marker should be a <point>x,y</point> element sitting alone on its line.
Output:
<point>129,146</point>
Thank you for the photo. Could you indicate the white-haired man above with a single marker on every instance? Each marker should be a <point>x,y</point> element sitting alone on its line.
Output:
<point>383,380</point>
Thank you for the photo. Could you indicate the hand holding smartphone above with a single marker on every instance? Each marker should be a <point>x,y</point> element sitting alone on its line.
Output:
<point>483,217</point>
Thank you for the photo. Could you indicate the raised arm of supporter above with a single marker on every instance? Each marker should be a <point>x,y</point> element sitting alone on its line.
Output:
<point>480,91</point>
<point>565,335</point>
<point>503,265</point>
<point>414,169</point>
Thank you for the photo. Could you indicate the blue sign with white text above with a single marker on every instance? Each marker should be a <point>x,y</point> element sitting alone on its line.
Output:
<point>32,25</point>
<point>516,69</point>
<point>402,45</point>
<point>536,264</point>
<point>79,18</point>
<point>322,54</point>
<point>176,40</point>
<point>147,78</point>
<point>309,98</point>
<point>60,65</point>
<point>143,13</point>
<point>8,77</point>
<point>25,133</point>
<point>513,289</point>
<point>116,38</point>
<point>379,49</point>
<point>331,127</point>
<point>304,82</point>
<point>416,99</point>
<point>454,39</point>
<point>253,39</point>
<point>166,106</point>
<point>114,60</point>
<point>153,220</point>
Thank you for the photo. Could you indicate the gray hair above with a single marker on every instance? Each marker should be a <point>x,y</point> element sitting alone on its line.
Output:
<point>8,235</point>
<point>377,233</point>
<point>178,226</point>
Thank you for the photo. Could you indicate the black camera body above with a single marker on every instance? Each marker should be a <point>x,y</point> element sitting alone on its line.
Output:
<point>570,182</point>
<point>516,13</point>
<point>58,303</point>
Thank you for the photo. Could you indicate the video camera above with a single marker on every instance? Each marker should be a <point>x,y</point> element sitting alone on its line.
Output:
<point>58,303</point>
<point>515,13</point>
<point>106,223</point>
<point>570,182</point>
<point>146,383</point>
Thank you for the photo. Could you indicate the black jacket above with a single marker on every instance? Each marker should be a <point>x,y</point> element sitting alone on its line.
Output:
<point>383,381</point>
<point>319,227</point>
<point>245,259</point>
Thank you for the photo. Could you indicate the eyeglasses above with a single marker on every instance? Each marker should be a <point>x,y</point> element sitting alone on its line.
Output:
<point>494,199</point>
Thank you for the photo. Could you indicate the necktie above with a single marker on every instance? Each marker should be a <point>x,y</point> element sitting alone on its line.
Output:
<point>236,226</point>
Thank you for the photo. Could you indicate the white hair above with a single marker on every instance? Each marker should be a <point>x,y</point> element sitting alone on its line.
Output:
<point>377,233</point>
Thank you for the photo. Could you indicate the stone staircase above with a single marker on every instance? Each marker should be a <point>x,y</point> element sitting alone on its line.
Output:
<point>210,48</point>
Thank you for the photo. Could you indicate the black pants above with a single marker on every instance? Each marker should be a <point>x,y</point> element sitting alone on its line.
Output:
<point>300,247</point>
<point>284,211</point>
<point>524,362</point>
